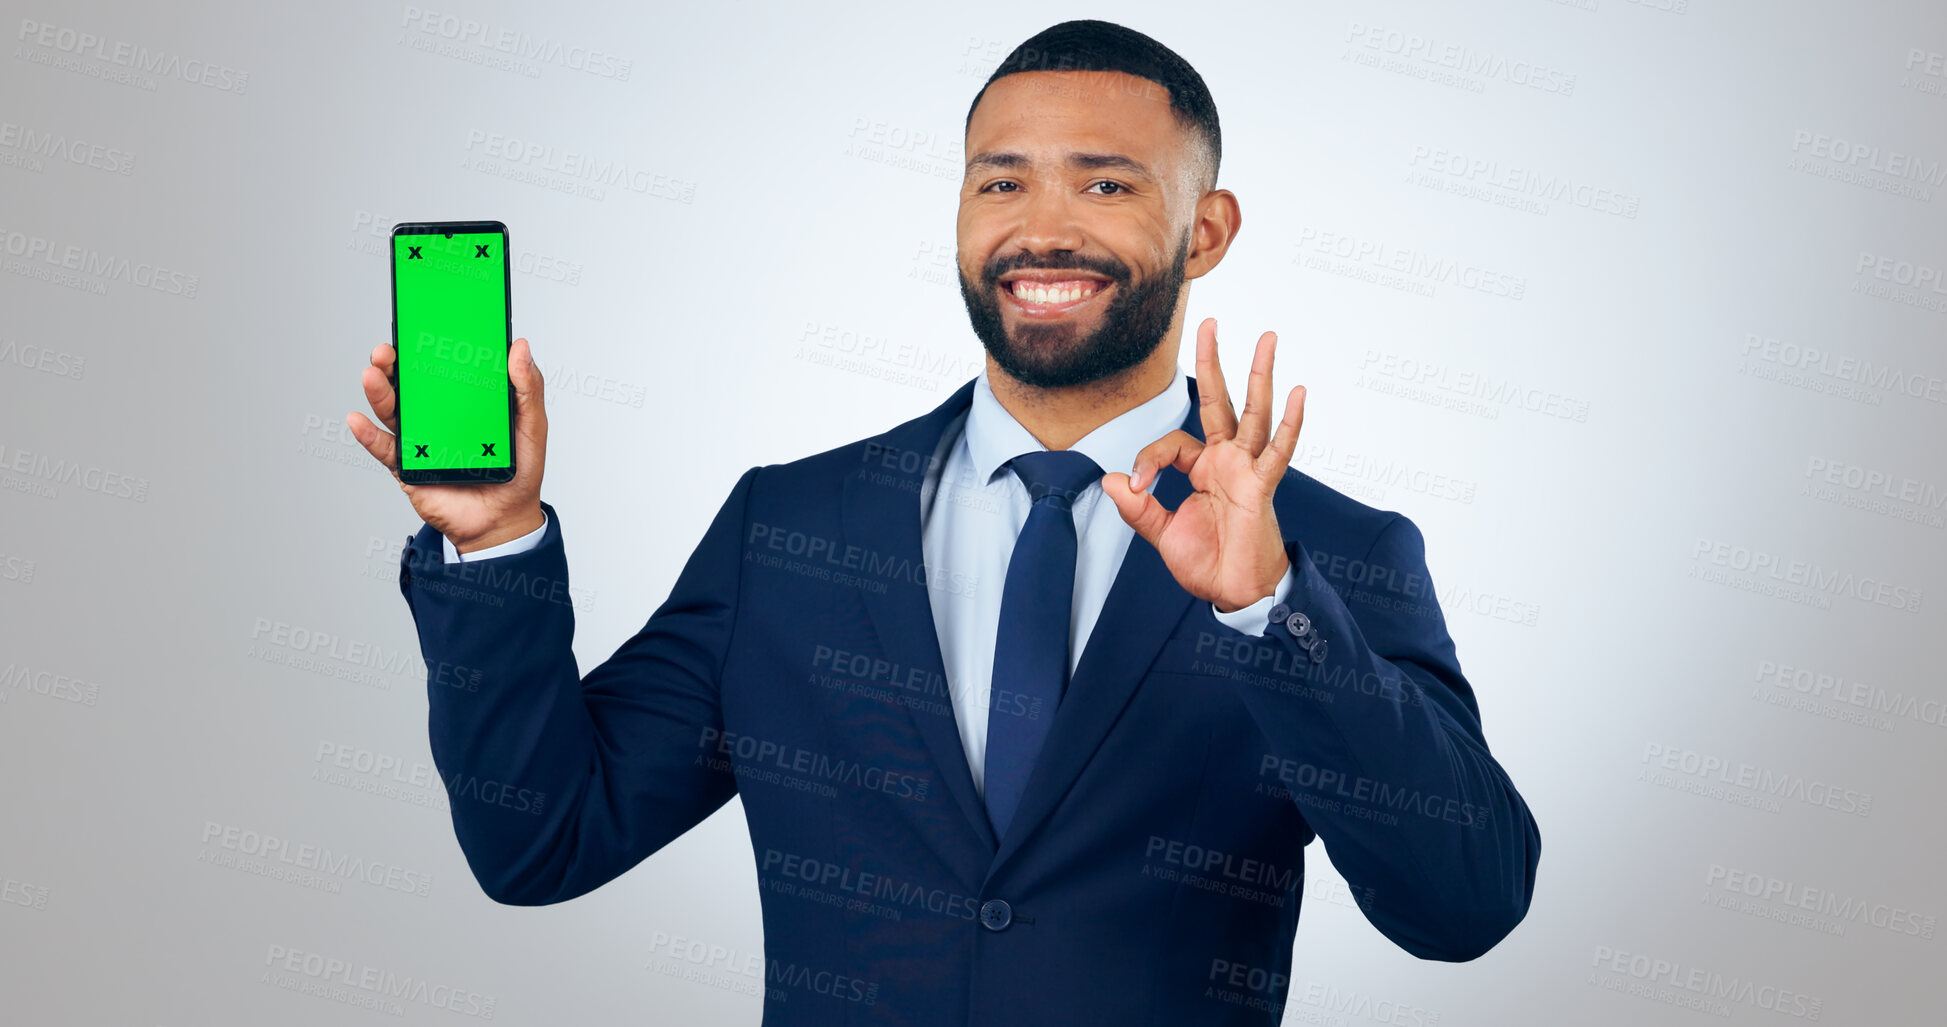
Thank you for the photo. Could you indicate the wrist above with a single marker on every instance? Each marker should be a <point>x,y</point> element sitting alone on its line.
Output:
<point>1262,592</point>
<point>507,530</point>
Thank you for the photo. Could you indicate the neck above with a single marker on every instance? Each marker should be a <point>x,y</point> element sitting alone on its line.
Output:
<point>1058,418</point>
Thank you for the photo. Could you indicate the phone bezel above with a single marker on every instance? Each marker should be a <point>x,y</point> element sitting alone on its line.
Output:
<point>456,475</point>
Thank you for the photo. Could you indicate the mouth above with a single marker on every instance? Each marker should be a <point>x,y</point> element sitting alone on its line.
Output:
<point>1053,297</point>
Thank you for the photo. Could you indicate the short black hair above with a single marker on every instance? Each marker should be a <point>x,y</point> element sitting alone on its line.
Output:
<point>1091,45</point>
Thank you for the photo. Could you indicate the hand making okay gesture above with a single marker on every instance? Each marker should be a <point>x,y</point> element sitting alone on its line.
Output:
<point>1222,542</point>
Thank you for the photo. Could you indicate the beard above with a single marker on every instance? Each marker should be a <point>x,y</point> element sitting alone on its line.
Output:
<point>1056,354</point>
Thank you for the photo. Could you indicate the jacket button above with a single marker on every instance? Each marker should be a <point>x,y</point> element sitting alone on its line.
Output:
<point>995,915</point>
<point>1298,623</point>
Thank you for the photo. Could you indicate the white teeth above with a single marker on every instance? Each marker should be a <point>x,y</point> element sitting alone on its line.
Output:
<point>1034,292</point>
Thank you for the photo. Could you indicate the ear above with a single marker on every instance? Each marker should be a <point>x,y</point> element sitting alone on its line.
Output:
<point>1213,227</point>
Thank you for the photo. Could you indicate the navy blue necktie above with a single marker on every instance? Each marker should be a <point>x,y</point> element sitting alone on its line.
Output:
<point>1031,648</point>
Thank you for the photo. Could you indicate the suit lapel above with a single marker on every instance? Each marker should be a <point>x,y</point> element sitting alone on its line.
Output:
<point>887,520</point>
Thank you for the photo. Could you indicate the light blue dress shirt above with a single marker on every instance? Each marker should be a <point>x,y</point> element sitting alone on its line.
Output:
<point>971,510</point>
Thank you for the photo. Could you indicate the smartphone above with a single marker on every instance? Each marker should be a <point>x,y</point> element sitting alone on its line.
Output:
<point>452,325</point>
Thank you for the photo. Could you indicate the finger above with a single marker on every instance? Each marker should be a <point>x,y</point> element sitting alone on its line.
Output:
<point>1255,426</point>
<point>381,396</point>
<point>1213,400</point>
<point>383,447</point>
<point>1277,455</point>
<point>1140,509</point>
<point>1178,449</point>
<point>530,411</point>
<point>384,357</point>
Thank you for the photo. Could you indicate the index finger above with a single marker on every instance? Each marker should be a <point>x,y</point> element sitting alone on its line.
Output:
<point>384,357</point>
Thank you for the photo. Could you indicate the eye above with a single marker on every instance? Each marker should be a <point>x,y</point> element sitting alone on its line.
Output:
<point>991,185</point>
<point>1118,186</point>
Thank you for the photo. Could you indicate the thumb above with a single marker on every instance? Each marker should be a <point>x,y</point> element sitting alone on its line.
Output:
<point>1140,509</point>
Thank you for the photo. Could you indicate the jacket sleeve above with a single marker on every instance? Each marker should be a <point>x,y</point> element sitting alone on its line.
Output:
<point>1377,736</point>
<point>560,783</point>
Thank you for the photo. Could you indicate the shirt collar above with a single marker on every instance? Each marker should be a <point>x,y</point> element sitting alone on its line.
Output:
<point>994,437</point>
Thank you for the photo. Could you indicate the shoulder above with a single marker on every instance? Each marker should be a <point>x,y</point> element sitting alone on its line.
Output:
<point>898,460</point>
<point>1331,522</point>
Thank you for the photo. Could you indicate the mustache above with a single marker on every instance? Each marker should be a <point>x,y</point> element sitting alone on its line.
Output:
<point>991,275</point>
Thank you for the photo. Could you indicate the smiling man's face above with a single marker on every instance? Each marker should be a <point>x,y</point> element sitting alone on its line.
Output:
<point>1083,185</point>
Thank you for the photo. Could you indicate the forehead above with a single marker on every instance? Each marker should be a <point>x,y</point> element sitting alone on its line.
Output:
<point>1045,114</point>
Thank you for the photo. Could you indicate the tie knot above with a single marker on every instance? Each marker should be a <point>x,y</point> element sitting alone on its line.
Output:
<point>1056,475</point>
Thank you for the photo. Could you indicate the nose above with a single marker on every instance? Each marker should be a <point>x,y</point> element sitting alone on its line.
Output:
<point>1048,220</point>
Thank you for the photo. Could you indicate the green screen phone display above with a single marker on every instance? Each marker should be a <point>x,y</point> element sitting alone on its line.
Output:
<point>451,332</point>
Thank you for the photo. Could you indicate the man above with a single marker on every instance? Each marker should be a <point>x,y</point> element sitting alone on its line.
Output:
<point>1009,754</point>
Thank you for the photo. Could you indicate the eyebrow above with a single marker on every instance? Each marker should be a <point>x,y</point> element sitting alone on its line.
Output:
<point>1086,161</point>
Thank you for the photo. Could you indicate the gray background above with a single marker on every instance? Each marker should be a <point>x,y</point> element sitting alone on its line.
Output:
<point>1701,446</point>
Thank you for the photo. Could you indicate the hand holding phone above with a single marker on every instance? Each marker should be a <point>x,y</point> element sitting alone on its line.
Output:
<point>460,397</point>
<point>472,516</point>
<point>452,327</point>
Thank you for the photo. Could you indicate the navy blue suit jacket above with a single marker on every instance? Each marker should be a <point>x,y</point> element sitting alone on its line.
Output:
<point>1153,871</point>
